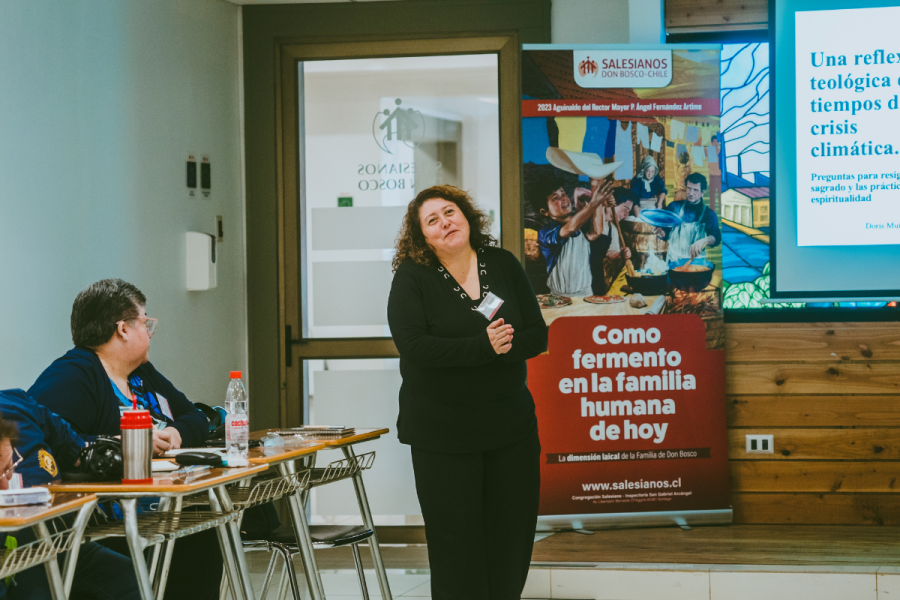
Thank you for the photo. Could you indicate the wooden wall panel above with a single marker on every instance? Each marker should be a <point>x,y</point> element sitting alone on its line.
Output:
<point>813,378</point>
<point>861,343</point>
<point>814,411</point>
<point>815,476</point>
<point>829,393</point>
<point>715,15</point>
<point>817,509</point>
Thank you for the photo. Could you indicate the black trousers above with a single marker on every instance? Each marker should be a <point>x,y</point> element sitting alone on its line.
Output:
<point>480,512</point>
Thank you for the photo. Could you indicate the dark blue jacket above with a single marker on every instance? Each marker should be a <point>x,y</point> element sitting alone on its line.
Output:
<point>77,387</point>
<point>47,445</point>
<point>46,442</point>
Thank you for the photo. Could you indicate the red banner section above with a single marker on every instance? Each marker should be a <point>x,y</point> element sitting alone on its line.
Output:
<point>617,108</point>
<point>631,412</point>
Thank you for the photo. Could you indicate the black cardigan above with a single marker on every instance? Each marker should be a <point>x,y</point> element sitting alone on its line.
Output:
<point>458,395</point>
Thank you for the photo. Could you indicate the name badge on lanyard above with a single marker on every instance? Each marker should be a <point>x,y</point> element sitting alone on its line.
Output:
<point>164,405</point>
<point>489,306</point>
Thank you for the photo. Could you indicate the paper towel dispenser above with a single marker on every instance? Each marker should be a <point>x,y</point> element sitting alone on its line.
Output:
<point>201,261</point>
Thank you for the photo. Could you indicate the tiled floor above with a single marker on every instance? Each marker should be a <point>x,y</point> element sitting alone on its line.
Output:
<point>608,581</point>
<point>342,583</point>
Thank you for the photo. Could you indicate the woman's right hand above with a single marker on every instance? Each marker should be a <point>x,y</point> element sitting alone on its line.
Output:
<point>163,442</point>
<point>500,336</point>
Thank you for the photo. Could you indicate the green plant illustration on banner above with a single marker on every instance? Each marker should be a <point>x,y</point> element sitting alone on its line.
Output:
<point>750,294</point>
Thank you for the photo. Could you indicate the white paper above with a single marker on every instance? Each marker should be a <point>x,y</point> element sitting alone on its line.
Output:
<point>162,466</point>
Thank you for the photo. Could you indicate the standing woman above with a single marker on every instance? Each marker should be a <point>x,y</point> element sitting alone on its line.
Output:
<point>465,408</point>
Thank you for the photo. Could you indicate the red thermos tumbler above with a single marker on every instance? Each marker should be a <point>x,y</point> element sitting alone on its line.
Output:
<point>137,445</point>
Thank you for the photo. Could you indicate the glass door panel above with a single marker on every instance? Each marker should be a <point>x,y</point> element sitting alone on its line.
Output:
<point>362,394</point>
<point>373,133</point>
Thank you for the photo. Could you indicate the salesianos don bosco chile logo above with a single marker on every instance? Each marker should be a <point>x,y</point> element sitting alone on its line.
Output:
<point>401,126</point>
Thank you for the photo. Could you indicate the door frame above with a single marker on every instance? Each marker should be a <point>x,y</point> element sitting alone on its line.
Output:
<point>289,149</point>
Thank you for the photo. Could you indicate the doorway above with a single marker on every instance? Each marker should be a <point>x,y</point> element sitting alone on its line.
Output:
<point>363,128</point>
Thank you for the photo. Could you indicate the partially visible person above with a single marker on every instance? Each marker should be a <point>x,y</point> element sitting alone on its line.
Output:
<point>535,264</point>
<point>96,380</point>
<point>581,196</point>
<point>571,237</point>
<point>648,187</point>
<point>607,267</point>
<point>699,227</point>
<point>35,446</point>
<point>682,170</point>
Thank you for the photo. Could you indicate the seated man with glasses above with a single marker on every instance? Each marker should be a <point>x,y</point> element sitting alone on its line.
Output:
<point>96,380</point>
<point>35,445</point>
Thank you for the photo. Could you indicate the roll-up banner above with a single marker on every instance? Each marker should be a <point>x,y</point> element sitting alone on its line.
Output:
<point>623,248</point>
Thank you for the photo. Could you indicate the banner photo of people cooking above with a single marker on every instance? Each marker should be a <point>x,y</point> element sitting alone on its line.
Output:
<point>621,191</point>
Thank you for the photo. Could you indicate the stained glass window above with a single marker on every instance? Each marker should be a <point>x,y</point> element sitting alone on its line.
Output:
<point>744,206</point>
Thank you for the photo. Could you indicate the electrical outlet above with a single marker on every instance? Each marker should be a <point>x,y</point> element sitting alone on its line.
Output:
<point>760,444</point>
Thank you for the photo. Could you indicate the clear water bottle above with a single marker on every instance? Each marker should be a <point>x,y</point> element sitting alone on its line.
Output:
<point>237,421</point>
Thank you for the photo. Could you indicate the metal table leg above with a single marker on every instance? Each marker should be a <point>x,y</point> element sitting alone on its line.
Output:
<point>240,560</point>
<point>81,522</point>
<point>301,532</point>
<point>363,502</point>
<point>231,570</point>
<point>136,547</point>
<point>161,572</point>
<point>57,586</point>
<point>163,506</point>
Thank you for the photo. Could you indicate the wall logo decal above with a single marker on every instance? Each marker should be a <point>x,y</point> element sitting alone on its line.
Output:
<point>402,125</point>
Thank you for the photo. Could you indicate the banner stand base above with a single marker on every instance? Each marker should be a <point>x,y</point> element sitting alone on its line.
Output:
<point>683,519</point>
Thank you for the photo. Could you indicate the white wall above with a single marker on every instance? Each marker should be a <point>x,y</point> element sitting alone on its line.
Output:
<point>645,22</point>
<point>606,22</point>
<point>589,22</point>
<point>100,103</point>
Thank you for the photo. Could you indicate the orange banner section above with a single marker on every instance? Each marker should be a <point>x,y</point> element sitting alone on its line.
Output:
<point>631,410</point>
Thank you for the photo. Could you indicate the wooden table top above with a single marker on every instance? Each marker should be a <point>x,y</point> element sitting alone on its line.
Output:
<point>361,435</point>
<point>296,448</point>
<point>299,448</point>
<point>17,517</point>
<point>173,483</point>
<point>271,456</point>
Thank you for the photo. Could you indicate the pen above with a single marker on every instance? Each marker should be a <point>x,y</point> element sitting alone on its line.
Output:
<point>194,468</point>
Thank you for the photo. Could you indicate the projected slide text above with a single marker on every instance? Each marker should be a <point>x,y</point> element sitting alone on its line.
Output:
<point>848,127</point>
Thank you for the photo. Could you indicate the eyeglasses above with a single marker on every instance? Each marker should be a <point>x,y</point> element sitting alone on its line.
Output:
<point>149,322</point>
<point>8,473</point>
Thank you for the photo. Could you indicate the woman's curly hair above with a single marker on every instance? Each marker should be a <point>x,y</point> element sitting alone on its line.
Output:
<point>411,244</point>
